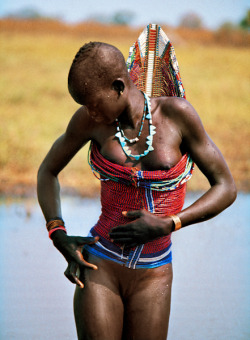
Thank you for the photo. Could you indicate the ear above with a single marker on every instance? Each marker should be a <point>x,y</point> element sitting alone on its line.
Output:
<point>119,86</point>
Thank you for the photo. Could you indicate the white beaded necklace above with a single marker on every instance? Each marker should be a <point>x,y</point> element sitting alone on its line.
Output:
<point>122,139</point>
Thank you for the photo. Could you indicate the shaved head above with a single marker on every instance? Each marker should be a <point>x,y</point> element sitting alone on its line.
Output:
<point>96,65</point>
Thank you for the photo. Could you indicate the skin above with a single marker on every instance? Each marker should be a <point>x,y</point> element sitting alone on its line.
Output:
<point>179,130</point>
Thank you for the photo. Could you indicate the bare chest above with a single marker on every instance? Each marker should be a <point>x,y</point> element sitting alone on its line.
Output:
<point>165,154</point>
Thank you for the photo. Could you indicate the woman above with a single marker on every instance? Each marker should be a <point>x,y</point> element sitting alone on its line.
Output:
<point>143,149</point>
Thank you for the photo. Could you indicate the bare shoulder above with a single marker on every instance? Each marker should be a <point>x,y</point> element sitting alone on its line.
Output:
<point>176,108</point>
<point>78,133</point>
<point>182,114</point>
<point>81,126</point>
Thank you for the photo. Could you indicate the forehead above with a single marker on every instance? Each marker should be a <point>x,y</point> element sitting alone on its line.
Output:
<point>94,83</point>
<point>92,91</point>
<point>96,64</point>
<point>92,88</point>
<point>92,77</point>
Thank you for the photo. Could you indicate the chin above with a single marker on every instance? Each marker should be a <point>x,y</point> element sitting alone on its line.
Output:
<point>99,120</point>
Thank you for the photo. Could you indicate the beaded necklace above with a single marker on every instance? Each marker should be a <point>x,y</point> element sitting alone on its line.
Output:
<point>122,139</point>
<point>136,139</point>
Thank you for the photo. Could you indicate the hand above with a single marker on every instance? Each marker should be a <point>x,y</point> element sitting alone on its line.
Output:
<point>71,249</point>
<point>144,227</point>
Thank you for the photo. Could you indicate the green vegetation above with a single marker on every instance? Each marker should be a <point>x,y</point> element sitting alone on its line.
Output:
<point>36,106</point>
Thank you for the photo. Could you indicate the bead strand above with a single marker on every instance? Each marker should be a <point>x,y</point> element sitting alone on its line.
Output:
<point>149,141</point>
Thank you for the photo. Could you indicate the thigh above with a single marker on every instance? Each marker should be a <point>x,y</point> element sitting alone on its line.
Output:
<point>98,307</point>
<point>147,308</point>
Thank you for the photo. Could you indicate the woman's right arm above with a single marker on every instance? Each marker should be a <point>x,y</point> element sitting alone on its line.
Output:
<point>78,133</point>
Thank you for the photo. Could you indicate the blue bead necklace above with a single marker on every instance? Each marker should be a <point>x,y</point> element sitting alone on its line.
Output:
<point>123,139</point>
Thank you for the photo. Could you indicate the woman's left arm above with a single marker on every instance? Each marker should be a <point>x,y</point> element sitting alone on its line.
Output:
<point>210,161</point>
<point>145,226</point>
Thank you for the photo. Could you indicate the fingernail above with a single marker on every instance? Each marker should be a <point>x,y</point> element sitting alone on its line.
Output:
<point>81,284</point>
<point>124,213</point>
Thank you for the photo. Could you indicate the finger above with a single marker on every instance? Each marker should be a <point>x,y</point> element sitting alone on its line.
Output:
<point>125,240</point>
<point>78,282</point>
<point>81,241</point>
<point>84,263</point>
<point>114,235</point>
<point>125,228</point>
<point>78,257</point>
<point>73,267</point>
<point>70,273</point>
<point>132,213</point>
<point>68,276</point>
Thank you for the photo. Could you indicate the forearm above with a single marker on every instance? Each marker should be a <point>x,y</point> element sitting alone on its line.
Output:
<point>48,191</point>
<point>213,202</point>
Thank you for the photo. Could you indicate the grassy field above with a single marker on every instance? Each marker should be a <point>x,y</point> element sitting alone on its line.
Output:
<point>36,107</point>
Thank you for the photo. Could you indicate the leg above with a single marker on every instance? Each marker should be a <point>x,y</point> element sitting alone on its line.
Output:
<point>147,307</point>
<point>98,306</point>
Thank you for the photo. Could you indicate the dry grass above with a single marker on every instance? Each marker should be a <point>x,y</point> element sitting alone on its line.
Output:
<point>36,107</point>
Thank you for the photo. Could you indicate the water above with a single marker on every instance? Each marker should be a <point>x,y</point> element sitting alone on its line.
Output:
<point>210,298</point>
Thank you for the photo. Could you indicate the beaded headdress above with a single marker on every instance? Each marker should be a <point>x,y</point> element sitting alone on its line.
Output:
<point>154,69</point>
<point>153,66</point>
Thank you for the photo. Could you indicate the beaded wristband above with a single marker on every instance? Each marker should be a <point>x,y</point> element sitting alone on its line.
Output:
<point>177,222</point>
<point>60,227</point>
<point>54,223</point>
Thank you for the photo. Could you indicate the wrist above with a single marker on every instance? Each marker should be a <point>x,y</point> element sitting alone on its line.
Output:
<point>58,237</point>
<point>58,234</point>
<point>55,226</point>
<point>171,223</point>
<point>176,225</point>
<point>167,225</point>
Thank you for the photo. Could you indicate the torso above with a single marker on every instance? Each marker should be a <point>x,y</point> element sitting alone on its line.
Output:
<point>166,142</point>
<point>137,190</point>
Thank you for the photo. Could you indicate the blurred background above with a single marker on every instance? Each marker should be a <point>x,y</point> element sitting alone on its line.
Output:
<point>38,41</point>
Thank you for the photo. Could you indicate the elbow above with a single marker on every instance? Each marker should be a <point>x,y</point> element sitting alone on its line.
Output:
<point>44,173</point>
<point>231,192</point>
<point>234,193</point>
<point>40,172</point>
